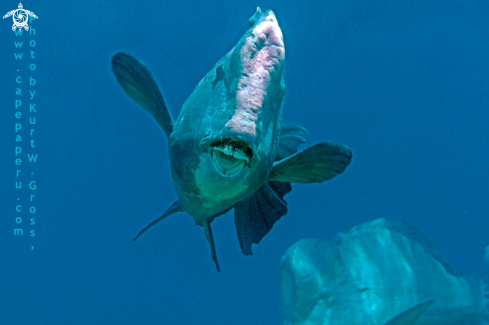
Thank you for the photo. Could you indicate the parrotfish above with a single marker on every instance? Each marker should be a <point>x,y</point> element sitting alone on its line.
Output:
<point>379,272</point>
<point>228,149</point>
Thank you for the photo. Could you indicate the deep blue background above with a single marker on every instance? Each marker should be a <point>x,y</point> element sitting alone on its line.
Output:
<point>404,84</point>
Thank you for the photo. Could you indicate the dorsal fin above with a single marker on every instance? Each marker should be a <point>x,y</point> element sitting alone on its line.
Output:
<point>138,82</point>
<point>410,232</point>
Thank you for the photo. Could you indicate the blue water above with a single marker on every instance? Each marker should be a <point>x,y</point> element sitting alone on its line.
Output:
<point>404,84</point>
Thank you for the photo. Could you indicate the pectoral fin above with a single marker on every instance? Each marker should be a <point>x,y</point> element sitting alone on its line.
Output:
<point>315,164</point>
<point>138,82</point>
<point>210,239</point>
<point>411,316</point>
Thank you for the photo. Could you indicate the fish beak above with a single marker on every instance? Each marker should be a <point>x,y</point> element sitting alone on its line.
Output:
<point>230,156</point>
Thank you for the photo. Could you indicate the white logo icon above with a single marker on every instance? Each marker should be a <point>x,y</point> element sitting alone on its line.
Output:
<point>20,17</point>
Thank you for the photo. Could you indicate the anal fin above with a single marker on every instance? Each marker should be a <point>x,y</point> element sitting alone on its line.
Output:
<point>315,164</point>
<point>411,316</point>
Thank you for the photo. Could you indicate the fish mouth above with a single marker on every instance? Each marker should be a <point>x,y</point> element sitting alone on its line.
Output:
<point>230,155</point>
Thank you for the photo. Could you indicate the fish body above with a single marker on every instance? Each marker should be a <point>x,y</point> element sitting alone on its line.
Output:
<point>232,119</point>
<point>378,272</point>
<point>228,148</point>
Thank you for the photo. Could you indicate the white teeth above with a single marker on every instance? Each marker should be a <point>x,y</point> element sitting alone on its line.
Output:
<point>226,164</point>
<point>230,151</point>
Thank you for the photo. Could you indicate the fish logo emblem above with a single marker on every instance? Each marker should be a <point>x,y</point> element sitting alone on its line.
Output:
<point>20,17</point>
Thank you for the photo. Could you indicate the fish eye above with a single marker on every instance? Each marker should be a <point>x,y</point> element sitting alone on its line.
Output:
<point>219,75</point>
<point>219,72</point>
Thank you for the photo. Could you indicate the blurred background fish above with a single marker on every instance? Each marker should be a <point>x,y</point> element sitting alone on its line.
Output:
<point>379,272</point>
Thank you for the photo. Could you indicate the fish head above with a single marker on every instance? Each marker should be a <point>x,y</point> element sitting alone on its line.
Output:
<point>224,142</point>
<point>310,273</point>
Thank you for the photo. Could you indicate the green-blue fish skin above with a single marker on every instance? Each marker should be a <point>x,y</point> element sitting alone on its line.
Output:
<point>374,272</point>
